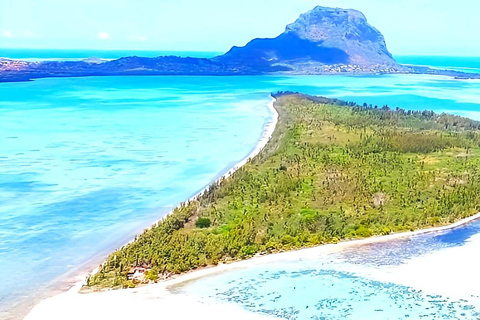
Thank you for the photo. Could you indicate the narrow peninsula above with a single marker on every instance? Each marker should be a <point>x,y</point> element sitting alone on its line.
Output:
<point>332,171</point>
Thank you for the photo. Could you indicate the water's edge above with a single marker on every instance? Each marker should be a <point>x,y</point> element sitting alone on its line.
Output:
<point>173,284</point>
<point>76,279</point>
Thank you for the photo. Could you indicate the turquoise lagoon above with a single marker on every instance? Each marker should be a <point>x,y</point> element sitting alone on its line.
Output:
<point>87,163</point>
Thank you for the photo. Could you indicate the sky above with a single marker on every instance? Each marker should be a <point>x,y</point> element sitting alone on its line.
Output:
<point>411,27</point>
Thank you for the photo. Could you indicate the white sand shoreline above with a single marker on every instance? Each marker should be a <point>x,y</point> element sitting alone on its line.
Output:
<point>78,280</point>
<point>146,299</point>
<point>142,300</point>
<point>309,253</point>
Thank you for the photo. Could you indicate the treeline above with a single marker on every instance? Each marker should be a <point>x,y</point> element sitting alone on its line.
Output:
<point>429,119</point>
<point>332,171</point>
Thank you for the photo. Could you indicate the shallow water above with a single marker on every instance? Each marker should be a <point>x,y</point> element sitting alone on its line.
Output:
<point>85,163</point>
<point>344,285</point>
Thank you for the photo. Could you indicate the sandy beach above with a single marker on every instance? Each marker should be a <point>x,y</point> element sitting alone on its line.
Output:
<point>417,273</point>
<point>79,279</point>
<point>144,302</point>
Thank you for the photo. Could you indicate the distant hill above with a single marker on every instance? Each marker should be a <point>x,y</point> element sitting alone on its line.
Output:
<point>324,36</point>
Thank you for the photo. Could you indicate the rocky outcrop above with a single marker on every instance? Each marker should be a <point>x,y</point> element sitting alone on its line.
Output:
<point>346,30</point>
<point>322,36</point>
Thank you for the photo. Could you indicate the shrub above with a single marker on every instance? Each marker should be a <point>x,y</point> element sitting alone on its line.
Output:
<point>203,223</point>
<point>152,275</point>
<point>363,232</point>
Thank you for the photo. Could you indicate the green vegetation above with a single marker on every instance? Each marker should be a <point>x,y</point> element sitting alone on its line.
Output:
<point>203,223</point>
<point>332,171</point>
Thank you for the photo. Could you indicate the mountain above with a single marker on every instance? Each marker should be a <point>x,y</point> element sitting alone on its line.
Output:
<point>321,41</point>
<point>322,36</point>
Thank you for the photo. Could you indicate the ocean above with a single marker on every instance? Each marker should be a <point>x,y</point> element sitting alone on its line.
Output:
<point>463,64</point>
<point>59,54</point>
<point>87,163</point>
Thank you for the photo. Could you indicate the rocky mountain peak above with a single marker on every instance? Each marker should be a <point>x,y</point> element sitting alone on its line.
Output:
<point>320,37</point>
<point>344,29</point>
<point>317,24</point>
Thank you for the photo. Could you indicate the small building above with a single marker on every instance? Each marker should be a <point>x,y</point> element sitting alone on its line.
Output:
<point>136,273</point>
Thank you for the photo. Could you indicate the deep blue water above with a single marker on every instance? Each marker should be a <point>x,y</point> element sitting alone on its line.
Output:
<point>58,54</point>
<point>464,64</point>
<point>85,163</point>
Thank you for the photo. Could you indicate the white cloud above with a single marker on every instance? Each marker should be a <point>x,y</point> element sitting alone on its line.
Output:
<point>6,34</point>
<point>142,38</point>
<point>102,35</point>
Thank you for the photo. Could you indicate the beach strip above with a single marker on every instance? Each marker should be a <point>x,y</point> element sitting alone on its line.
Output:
<point>142,301</point>
<point>77,280</point>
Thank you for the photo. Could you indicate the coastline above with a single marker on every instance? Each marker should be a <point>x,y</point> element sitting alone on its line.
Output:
<point>144,299</point>
<point>76,279</point>
<point>308,253</point>
<point>141,297</point>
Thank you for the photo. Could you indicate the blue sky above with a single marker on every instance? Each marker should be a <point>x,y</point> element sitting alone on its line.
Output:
<point>422,27</point>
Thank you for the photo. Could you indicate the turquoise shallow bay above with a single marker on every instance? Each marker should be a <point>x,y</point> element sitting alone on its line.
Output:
<point>86,163</point>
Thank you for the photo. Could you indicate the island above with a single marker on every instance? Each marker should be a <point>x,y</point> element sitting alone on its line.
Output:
<point>323,41</point>
<point>332,171</point>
